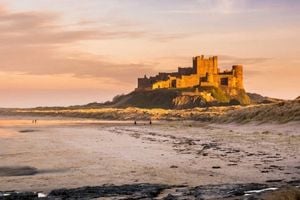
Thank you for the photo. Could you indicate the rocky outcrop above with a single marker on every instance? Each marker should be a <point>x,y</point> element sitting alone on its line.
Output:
<point>167,192</point>
<point>180,99</point>
<point>258,99</point>
<point>185,101</point>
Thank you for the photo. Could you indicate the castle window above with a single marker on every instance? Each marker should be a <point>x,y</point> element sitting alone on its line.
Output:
<point>173,84</point>
<point>224,81</point>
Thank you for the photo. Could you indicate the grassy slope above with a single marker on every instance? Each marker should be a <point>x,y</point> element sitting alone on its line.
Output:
<point>281,112</point>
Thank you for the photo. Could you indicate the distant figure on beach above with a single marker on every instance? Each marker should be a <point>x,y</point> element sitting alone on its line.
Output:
<point>150,122</point>
<point>134,122</point>
<point>34,121</point>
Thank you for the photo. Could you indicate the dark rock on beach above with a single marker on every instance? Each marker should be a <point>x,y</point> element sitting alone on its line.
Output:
<point>135,191</point>
<point>145,191</point>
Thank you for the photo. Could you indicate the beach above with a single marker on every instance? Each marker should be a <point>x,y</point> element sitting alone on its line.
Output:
<point>70,153</point>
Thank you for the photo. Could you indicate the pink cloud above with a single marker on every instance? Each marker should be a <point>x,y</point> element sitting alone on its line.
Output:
<point>30,43</point>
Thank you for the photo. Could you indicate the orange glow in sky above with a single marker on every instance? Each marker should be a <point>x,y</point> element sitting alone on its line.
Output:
<point>66,52</point>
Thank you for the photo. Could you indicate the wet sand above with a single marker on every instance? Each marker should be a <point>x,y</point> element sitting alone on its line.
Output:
<point>58,152</point>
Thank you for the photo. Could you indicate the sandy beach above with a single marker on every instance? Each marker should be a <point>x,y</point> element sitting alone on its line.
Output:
<point>68,153</point>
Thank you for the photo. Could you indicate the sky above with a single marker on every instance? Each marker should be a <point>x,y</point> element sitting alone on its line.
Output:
<point>68,52</point>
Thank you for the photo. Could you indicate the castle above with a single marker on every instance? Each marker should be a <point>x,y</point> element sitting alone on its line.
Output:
<point>204,73</point>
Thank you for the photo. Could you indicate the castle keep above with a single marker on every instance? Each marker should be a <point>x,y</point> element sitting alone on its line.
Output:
<point>204,73</point>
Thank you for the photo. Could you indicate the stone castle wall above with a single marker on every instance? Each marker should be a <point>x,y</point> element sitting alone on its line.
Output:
<point>205,72</point>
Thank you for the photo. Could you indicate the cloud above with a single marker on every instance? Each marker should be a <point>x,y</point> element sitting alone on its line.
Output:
<point>33,43</point>
<point>45,61</point>
<point>36,28</point>
<point>210,7</point>
<point>167,37</point>
<point>37,43</point>
<point>229,7</point>
<point>232,60</point>
<point>252,65</point>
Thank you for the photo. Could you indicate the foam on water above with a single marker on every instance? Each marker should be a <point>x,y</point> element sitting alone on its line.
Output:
<point>259,191</point>
<point>41,195</point>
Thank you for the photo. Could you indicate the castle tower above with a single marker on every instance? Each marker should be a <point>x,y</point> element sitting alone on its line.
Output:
<point>215,64</point>
<point>238,74</point>
<point>202,65</point>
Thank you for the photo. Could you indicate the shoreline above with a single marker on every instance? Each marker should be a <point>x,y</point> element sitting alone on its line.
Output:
<point>74,153</point>
<point>280,112</point>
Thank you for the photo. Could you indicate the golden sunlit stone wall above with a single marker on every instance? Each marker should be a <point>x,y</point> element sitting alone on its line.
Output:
<point>187,81</point>
<point>205,72</point>
<point>161,84</point>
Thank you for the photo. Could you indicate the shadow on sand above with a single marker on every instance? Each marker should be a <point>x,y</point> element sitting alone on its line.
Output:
<point>25,171</point>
